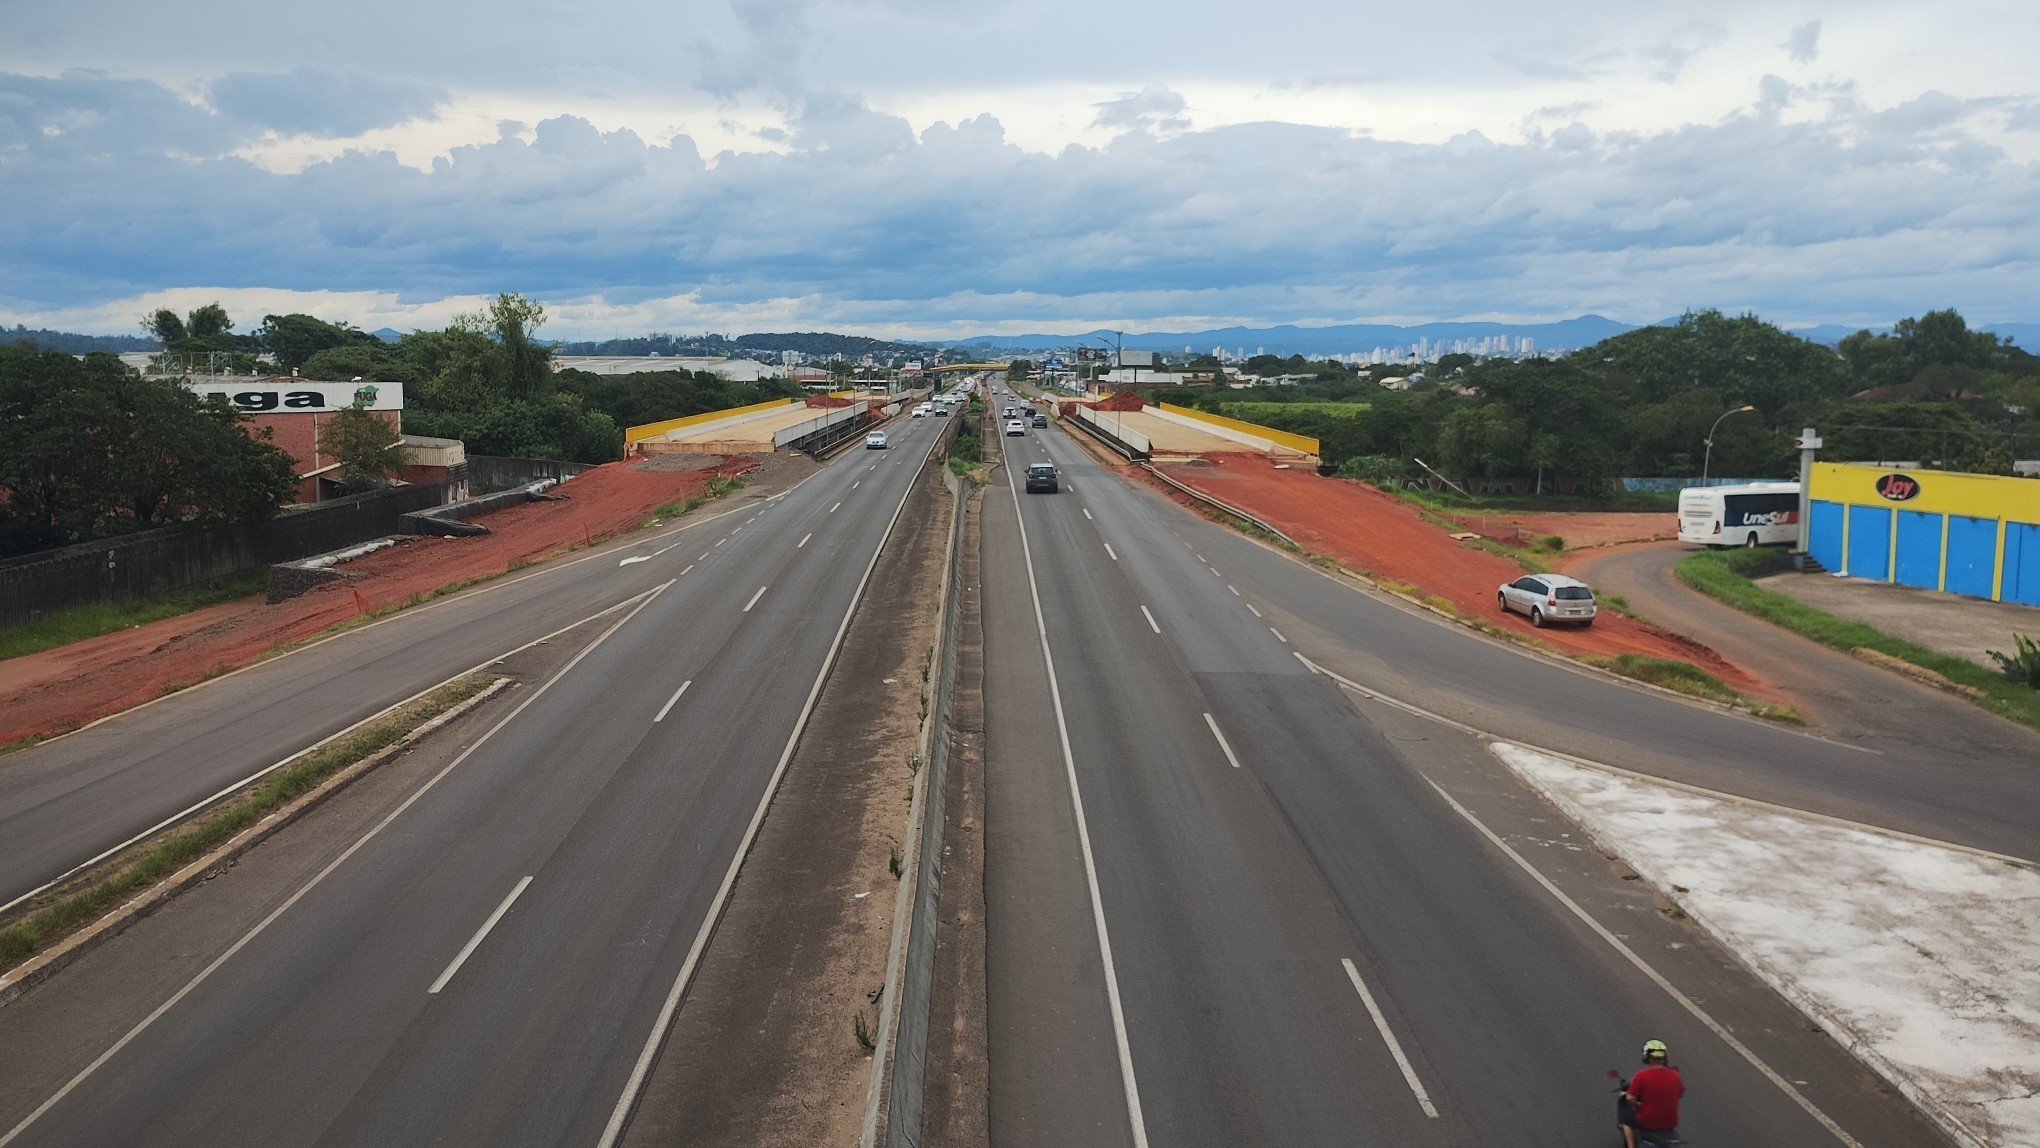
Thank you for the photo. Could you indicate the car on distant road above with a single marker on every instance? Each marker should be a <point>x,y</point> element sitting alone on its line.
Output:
<point>942,411</point>
<point>1041,420</point>
<point>1548,599</point>
<point>1041,478</point>
<point>920,412</point>
<point>876,441</point>
<point>1013,426</point>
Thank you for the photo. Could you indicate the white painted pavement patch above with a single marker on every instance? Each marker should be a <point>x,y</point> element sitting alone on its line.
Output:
<point>1922,959</point>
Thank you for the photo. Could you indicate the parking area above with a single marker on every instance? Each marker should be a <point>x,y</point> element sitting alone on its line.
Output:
<point>1951,624</point>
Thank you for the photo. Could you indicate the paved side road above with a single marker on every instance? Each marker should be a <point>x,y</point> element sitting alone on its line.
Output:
<point>1845,698</point>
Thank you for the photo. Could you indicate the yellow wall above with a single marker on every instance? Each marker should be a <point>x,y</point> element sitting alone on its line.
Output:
<point>1295,442</point>
<point>654,430</point>
<point>1941,492</point>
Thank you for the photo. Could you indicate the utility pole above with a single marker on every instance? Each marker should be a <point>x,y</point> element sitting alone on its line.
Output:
<point>1808,443</point>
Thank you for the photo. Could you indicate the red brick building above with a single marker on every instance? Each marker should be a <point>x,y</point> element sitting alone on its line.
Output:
<point>292,410</point>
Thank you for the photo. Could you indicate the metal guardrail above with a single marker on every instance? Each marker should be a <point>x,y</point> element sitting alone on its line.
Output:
<point>1235,511</point>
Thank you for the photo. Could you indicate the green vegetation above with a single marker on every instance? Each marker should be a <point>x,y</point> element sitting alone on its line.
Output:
<point>162,856</point>
<point>1687,678</point>
<point>1642,403</point>
<point>82,622</point>
<point>1724,575</point>
<point>90,449</point>
<point>2022,665</point>
<point>1261,412</point>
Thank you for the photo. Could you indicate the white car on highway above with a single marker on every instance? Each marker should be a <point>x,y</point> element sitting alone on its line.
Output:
<point>1013,426</point>
<point>876,441</point>
<point>1548,598</point>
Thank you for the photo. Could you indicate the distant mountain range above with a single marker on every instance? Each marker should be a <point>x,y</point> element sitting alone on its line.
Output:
<point>1565,335</point>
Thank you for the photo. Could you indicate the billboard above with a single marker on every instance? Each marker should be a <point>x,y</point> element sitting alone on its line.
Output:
<point>258,396</point>
<point>1137,358</point>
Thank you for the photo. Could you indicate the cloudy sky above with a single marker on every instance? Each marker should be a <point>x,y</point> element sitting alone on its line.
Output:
<point>946,167</point>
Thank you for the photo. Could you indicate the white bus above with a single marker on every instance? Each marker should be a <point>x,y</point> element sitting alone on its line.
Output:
<point>1754,514</point>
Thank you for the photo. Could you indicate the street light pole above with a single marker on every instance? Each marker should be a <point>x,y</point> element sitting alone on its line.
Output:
<point>1707,459</point>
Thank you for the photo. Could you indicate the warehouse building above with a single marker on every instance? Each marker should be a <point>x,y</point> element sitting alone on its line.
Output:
<point>1974,534</point>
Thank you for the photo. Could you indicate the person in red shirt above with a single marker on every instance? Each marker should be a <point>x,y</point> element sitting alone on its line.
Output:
<point>1652,1095</point>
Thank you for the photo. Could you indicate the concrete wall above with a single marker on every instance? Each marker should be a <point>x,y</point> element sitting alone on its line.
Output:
<point>487,474</point>
<point>161,561</point>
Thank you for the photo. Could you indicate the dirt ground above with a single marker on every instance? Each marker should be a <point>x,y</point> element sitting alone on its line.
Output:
<point>1951,624</point>
<point>56,690</point>
<point>1369,530</point>
<point>1582,530</point>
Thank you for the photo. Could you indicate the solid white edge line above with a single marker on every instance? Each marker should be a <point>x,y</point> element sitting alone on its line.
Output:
<point>620,1115</point>
<point>142,1025</point>
<point>803,540</point>
<point>475,941</point>
<point>1152,624</point>
<point>668,707</point>
<point>279,764</point>
<point>1409,1074</point>
<point>1222,743</point>
<point>1113,553</point>
<point>1642,966</point>
<point>1062,729</point>
<point>754,600</point>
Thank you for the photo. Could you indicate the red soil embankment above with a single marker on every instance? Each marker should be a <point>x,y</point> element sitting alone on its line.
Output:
<point>47,693</point>
<point>1580,529</point>
<point>1373,531</point>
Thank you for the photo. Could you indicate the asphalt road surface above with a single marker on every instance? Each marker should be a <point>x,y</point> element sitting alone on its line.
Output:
<point>1227,907</point>
<point>489,964</point>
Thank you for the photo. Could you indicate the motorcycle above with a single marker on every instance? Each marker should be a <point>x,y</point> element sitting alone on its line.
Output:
<point>1645,1138</point>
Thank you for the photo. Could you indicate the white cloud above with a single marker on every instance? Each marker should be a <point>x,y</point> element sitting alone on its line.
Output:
<point>1803,45</point>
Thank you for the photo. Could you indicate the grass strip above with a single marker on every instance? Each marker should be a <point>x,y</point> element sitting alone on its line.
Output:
<point>81,622</point>
<point>1687,678</point>
<point>1723,575</point>
<point>150,861</point>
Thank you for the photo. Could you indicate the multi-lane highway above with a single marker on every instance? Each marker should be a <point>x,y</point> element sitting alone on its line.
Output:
<point>1229,901</point>
<point>492,962</point>
<point>1228,907</point>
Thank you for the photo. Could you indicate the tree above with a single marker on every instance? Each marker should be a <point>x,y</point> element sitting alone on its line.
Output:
<point>165,325</point>
<point>364,444</point>
<point>210,321</point>
<point>293,339</point>
<point>525,366</point>
<point>359,361</point>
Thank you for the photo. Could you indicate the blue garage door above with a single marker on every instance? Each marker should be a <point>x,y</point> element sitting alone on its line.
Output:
<point>1869,542</point>
<point>2022,563</point>
<point>1824,535</point>
<point>1919,549</point>
<point>1972,554</point>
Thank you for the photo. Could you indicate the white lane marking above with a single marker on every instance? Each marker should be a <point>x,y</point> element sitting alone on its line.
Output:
<point>628,1099</point>
<point>1087,513</point>
<point>754,599</point>
<point>1409,1074</point>
<point>1112,552</point>
<point>1235,589</point>
<point>476,940</point>
<point>1062,729</point>
<point>705,554</point>
<point>1642,966</point>
<point>719,542</point>
<point>835,508</point>
<point>683,573</point>
<point>668,707</point>
<point>1222,743</point>
<point>1214,572</point>
<point>803,540</point>
<point>737,531</point>
<point>1151,620</point>
<point>1250,606</point>
<point>206,972</point>
<point>1278,635</point>
<point>636,560</point>
<point>1199,557</point>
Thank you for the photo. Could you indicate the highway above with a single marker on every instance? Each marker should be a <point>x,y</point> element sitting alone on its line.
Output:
<point>492,962</point>
<point>1227,905</point>
<point>66,802</point>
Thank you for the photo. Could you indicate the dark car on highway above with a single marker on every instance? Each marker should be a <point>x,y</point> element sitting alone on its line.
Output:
<point>1041,420</point>
<point>1041,478</point>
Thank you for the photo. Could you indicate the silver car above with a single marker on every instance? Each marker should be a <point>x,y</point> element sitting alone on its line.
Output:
<point>1548,598</point>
